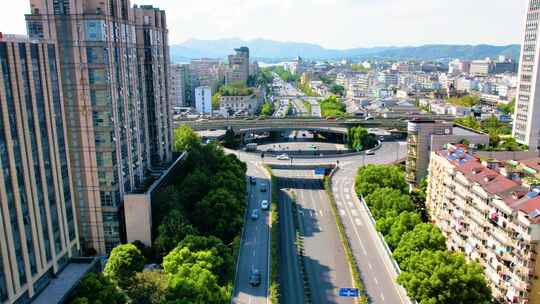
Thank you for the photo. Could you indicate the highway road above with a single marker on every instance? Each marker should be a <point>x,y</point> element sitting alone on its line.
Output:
<point>325,261</point>
<point>378,273</point>
<point>291,281</point>
<point>254,246</point>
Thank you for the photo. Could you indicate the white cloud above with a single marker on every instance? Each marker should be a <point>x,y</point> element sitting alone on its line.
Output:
<point>332,23</point>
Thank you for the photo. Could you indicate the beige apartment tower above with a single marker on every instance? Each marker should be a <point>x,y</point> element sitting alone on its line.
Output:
<point>114,64</point>
<point>527,113</point>
<point>38,229</point>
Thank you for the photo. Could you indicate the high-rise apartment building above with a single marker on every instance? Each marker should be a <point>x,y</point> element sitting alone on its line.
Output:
<point>114,63</point>
<point>527,113</point>
<point>178,85</point>
<point>38,230</point>
<point>238,66</point>
<point>490,211</point>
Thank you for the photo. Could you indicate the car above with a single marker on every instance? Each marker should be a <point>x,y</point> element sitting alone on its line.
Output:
<point>255,214</point>
<point>370,153</point>
<point>255,277</point>
<point>264,188</point>
<point>252,180</point>
<point>283,157</point>
<point>264,205</point>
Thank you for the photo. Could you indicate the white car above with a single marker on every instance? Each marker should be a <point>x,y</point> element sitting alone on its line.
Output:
<point>264,205</point>
<point>283,157</point>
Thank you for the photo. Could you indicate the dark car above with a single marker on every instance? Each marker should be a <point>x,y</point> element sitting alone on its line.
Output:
<point>255,278</point>
<point>252,180</point>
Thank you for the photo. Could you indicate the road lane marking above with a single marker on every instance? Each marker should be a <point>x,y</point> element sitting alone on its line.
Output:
<point>370,266</point>
<point>341,212</point>
<point>375,280</point>
<point>354,213</point>
<point>358,222</point>
<point>347,196</point>
<point>350,204</point>
<point>382,297</point>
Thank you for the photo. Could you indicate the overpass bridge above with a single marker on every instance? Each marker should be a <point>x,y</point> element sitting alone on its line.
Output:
<point>291,123</point>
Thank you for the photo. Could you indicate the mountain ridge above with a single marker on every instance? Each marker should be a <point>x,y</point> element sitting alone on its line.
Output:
<point>271,50</point>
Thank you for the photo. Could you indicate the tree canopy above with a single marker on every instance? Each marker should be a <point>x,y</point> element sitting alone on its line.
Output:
<point>360,139</point>
<point>332,106</point>
<point>185,138</point>
<point>124,261</point>
<point>423,236</point>
<point>97,289</point>
<point>442,277</point>
<point>465,101</point>
<point>371,177</point>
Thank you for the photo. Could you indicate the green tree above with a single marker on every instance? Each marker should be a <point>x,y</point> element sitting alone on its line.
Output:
<point>337,90</point>
<point>508,108</point>
<point>219,213</point>
<point>441,277</point>
<point>371,177</point>
<point>360,139</point>
<point>124,261</point>
<point>229,140</point>
<point>267,109</point>
<point>174,228</point>
<point>224,270</point>
<point>405,222</point>
<point>385,199</point>
<point>148,287</point>
<point>97,289</point>
<point>191,277</point>
<point>423,236</point>
<point>215,101</point>
<point>185,138</point>
<point>469,122</point>
<point>332,106</point>
<point>465,101</point>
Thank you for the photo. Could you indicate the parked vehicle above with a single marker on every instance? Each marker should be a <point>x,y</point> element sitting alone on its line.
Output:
<point>255,277</point>
<point>264,205</point>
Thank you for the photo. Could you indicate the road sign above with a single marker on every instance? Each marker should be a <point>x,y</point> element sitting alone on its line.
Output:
<point>348,292</point>
<point>320,171</point>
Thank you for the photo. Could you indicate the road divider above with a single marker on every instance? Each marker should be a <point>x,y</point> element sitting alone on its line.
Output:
<point>353,264</point>
<point>274,290</point>
<point>299,243</point>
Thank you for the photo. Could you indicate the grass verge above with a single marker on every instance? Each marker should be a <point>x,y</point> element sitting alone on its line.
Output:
<point>274,243</point>
<point>353,264</point>
<point>307,105</point>
<point>299,243</point>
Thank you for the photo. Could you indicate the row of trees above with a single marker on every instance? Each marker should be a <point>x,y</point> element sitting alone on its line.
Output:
<point>360,139</point>
<point>465,101</point>
<point>235,89</point>
<point>430,273</point>
<point>197,220</point>
<point>285,75</point>
<point>332,106</point>
<point>499,133</point>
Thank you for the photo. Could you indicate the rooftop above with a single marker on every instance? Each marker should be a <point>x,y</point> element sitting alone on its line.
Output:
<point>64,282</point>
<point>492,176</point>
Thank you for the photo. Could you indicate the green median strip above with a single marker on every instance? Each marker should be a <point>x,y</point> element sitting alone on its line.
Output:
<point>353,264</point>
<point>300,251</point>
<point>274,243</point>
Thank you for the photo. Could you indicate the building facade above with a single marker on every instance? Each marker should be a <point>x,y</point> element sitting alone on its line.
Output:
<point>238,70</point>
<point>527,113</point>
<point>425,136</point>
<point>178,85</point>
<point>246,105</point>
<point>38,230</point>
<point>490,211</point>
<point>203,100</point>
<point>114,66</point>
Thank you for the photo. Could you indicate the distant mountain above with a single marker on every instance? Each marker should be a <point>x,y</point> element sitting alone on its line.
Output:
<point>275,50</point>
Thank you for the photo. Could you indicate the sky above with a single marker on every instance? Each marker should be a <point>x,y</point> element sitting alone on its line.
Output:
<point>337,24</point>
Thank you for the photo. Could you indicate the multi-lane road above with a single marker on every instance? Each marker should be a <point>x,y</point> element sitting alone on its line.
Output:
<point>321,241</point>
<point>324,257</point>
<point>254,246</point>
